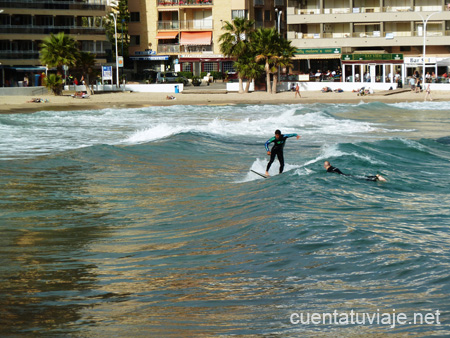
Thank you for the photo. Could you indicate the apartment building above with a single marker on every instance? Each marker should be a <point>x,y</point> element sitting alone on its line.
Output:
<point>184,34</point>
<point>376,37</point>
<point>25,23</point>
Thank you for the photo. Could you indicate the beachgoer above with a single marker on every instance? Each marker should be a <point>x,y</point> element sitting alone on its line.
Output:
<point>330,169</point>
<point>35,100</point>
<point>297,91</point>
<point>418,85</point>
<point>170,97</point>
<point>412,83</point>
<point>428,93</point>
<point>277,150</point>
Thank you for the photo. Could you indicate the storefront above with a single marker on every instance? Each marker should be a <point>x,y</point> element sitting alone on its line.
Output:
<point>149,60</point>
<point>208,64</point>
<point>413,64</point>
<point>317,60</point>
<point>372,68</point>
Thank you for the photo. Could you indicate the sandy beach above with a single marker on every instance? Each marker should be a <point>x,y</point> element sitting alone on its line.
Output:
<point>19,104</point>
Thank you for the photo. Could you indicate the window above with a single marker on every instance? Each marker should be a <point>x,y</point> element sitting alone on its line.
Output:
<point>187,67</point>
<point>227,66</point>
<point>267,15</point>
<point>241,13</point>
<point>135,40</point>
<point>135,17</point>
<point>210,67</point>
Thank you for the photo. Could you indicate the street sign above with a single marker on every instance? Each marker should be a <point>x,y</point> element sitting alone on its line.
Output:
<point>107,73</point>
<point>120,59</point>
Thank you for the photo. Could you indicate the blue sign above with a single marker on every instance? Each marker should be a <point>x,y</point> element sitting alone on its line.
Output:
<point>106,73</point>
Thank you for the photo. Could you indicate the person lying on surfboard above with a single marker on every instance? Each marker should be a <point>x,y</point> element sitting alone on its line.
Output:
<point>277,150</point>
<point>330,169</point>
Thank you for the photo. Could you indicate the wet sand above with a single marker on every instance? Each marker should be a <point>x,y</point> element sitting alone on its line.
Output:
<point>18,104</point>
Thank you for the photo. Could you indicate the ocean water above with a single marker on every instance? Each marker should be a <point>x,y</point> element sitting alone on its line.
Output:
<point>149,223</point>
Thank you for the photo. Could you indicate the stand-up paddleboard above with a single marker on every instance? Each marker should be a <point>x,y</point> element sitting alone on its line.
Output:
<point>257,173</point>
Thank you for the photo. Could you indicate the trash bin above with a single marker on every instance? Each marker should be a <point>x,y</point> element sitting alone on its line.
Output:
<point>36,79</point>
<point>177,89</point>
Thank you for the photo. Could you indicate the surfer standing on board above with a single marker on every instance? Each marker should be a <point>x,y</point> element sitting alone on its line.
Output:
<point>330,169</point>
<point>277,150</point>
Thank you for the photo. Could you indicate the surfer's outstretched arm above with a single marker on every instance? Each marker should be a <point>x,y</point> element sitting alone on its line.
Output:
<point>292,135</point>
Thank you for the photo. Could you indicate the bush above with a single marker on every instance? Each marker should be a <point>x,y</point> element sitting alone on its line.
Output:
<point>187,75</point>
<point>217,75</point>
<point>196,81</point>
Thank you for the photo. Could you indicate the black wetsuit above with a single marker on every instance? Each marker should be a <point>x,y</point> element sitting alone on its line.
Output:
<point>332,169</point>
<point>277,150</point>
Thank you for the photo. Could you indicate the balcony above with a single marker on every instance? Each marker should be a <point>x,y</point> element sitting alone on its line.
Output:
<point>337,10</point>
<point>280,3</point>
<point>356,10</point>
<point>74,30</point>
<point>197,24</point>
<point>185,3</point>
<point>258,2</point>
<point>168,25</point>
<point>197,49</point>
<point>168,48</point>
<point>22,55</point>
<point>92,5</point>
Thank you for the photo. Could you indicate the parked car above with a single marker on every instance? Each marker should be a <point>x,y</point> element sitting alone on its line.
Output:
<point>172,77</point>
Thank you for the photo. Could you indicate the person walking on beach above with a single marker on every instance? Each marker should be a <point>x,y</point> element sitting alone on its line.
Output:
<point>330,169</point>
<point>297,91</point>
<point>428,93</point>
<point>277,150</point>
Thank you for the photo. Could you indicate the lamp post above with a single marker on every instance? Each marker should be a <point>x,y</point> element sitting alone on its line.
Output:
<point>123,61</point>
<point>278,26</point>
<point>117,53</point>
<point>425,21</point>
<point>278,18</point>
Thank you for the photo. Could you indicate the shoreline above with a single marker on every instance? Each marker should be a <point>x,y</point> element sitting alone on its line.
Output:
<point>18,104</point>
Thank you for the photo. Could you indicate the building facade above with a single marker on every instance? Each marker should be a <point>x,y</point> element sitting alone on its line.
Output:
<point>184,34</point>
<point>370,27</point>
<point>24,24</point>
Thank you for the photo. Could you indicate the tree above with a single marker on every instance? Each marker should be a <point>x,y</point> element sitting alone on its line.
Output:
<point>283,59</point>
<point>54,83</point>
<point>85,63</point>
<point>274,51</point>
<point>265,42</point>
<point>123,18</point>
<point>58,50</point>
<point>248,68</point>
<point>235,41</point>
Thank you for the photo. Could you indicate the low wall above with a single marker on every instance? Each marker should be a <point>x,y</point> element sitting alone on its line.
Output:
<point>154,88</point>
<point>234,86</point>
<point>349,86</point>
<point>23,91</point>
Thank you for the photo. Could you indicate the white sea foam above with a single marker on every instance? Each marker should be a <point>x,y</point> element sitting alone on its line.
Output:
<point>445,105</point>
<point>332,151</point>
<point>48,132</point>
<point>259,166</point>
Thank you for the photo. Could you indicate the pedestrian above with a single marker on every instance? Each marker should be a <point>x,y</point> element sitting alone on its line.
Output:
<point>428,93</point>
<point>297,91</point>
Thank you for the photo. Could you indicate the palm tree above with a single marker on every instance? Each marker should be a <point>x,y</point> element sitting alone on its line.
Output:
<point>54,83</point>
<point>249,69</point>
<point>58,50</point>
<point>265,41</point>
<point>85,63</point>
<point>234,42</point>
<point>283,59</point>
